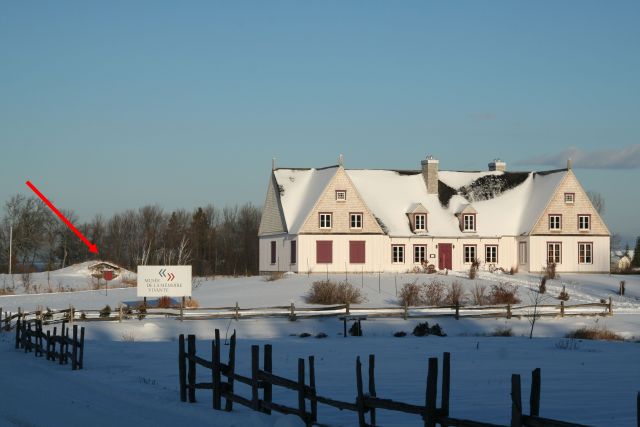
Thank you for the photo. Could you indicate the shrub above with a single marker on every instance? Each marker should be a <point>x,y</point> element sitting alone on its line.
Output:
<point>48,315</point>
<point>564,295</point>
<point>106,311</point>
<point>329,292</point>
<point>513,270</point>
<point>400,334</point>
<point>164,302</point>
<point>473,270</point>
<point>7,291</point>
<point>191,303</point>
<point>433,293</point>
<point>276,275</point>
<point>455,294</point>
<point>585,333</point>
<point>543,285</point>
<point>142,311</point>
<point>83,315</point>
<point>503,293</point>
<point>502,331</point>
<point>479,295</point>
<point>410,294</point>
<point>550,271</point>
<point>423,329</point>
<point>321,335</point>
<point>304,335</point>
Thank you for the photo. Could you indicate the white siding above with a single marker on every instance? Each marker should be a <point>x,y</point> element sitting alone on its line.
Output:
<point>601,251</point>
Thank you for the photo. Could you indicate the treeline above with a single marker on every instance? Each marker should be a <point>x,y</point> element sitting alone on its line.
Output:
<point>212,240</point>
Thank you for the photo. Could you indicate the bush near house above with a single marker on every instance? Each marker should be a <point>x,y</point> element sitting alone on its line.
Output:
<point>328,292</point>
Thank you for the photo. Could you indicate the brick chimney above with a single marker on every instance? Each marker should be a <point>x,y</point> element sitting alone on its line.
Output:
<point>497,165</point>
<point>430,174</point>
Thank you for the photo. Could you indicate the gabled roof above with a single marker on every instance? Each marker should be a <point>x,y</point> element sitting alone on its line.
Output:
<point>508,210</point>
<point>299,192</point>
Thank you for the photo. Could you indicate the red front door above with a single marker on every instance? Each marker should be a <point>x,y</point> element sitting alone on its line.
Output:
<point>444,256</point>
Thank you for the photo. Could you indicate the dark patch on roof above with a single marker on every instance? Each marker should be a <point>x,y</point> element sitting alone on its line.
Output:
<point>490,186</point>
<point>406,172</point>
<point>445,193</point>
<point>543,173</point>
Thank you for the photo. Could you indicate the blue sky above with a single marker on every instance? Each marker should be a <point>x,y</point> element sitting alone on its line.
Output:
<point>113,105</point>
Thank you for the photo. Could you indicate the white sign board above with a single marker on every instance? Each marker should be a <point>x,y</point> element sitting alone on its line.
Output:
<point>164,280</point>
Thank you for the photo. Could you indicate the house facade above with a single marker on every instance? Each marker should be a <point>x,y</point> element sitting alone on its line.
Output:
<point>363,220</point>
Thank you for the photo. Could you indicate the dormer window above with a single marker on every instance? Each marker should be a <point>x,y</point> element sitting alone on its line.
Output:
<point>569,198</point>
<point>469,222</point>
<point>419,222</point>
<point>341,195</point>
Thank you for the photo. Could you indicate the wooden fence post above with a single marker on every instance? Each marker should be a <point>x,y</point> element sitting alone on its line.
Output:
<point>360,396</point>
<point>622,283</point>
<point>446,385</point>
<point>534,399</point>
<point>561,308</point>
<point>516,401</point>
<point>191,352</point>
<point>81,358</point>
<point>432,393</point>
<point>347,309</point>
<point>231,372</point>
<point>237,311</point>
<point>255,367</point>
<point>215,371</point>
<point>267,393</point>
<point>457,311</point>
<point>74,349</point>
<point>61,356</point>
<point>302,412</point>
<point>508,311</point>
<point>48,345</point>
<point>405,315</point>
<point>120,313</point>
<point>18,325</point>
<point>312,386</point>
<point>292,312</point>
<point>182,369</point>
<point>610,307</point>
<point>372,387</point>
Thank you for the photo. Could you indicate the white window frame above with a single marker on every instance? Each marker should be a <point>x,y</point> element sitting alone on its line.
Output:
<point>491,258</point>
<point>469,225</point>
<point>326,221</point>
<point>419,254</point>
<point>556,248</point>
<point>397,254</point>
<point>355,218</point>
<point>585,248</point>
<point>586,220</point>
<point>552,224</point>
<point>468,256</point>
<point>569,198</point>
<point>341,195</point>
<point>420,222</point>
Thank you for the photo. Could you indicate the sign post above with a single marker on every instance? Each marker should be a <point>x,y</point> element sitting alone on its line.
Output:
<point>165,281</point>
<point>107,275</point>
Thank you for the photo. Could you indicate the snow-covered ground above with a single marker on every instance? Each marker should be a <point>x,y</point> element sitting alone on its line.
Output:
<point>131,372</point>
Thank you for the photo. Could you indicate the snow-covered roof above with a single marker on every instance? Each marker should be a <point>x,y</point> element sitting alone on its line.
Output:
<point>299,192</point>
<point>508,210</point>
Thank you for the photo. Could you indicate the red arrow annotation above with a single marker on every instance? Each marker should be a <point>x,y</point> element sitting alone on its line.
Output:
<point>92,248</point>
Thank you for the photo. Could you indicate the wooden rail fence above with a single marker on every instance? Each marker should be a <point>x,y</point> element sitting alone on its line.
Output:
<point>61,348</point>
<point>224,376</point>
<point>292,312</point>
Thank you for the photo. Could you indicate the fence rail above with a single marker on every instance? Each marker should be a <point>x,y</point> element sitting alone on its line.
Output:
<point>8,320</point>
<point>31,338</point>
<point>366,403</point>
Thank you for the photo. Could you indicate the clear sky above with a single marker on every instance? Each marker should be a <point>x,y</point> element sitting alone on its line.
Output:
<point>112,105</point>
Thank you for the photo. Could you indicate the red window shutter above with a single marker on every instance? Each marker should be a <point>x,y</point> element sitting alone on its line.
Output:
<point>324,251</point>
<point>356,252</point>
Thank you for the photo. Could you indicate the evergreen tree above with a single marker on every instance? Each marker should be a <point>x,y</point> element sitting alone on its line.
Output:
<point>635,262</point>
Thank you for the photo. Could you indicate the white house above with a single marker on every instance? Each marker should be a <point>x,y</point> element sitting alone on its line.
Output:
<point>336,219</point>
